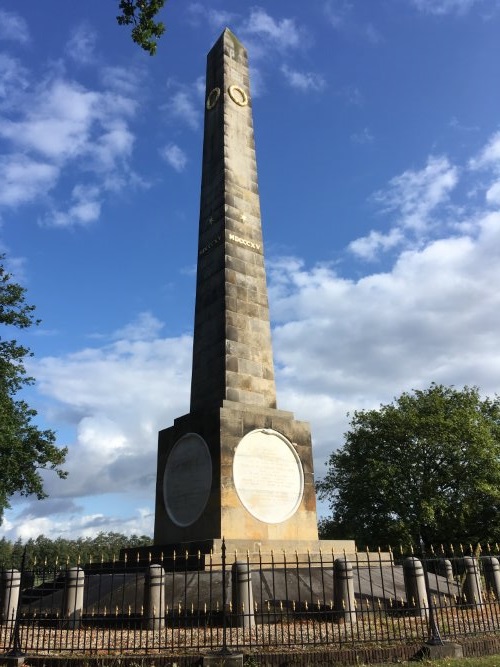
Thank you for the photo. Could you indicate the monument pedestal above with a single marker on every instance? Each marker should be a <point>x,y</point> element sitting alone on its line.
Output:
<point>237,472</point>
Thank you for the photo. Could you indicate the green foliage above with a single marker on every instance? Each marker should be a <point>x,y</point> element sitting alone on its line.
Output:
<point>104,547</point>
<point>426,465</point>
<point>142,14</point>
<point>24,449</point>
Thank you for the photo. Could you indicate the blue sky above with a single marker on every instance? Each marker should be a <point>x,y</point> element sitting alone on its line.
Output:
<point>378,148</point>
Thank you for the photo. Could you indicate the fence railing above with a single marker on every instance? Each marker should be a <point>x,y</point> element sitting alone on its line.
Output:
<point>192,604</point>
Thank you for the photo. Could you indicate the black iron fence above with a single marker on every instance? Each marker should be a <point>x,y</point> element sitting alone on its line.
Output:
<point>186,604</point>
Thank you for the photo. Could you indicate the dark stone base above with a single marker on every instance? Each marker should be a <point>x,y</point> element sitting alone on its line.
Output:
<point>447,649</point>
<point>220,659</point>
<point>12,660</point>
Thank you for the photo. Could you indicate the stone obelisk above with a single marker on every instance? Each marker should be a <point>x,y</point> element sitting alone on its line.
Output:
<point>235,467</point>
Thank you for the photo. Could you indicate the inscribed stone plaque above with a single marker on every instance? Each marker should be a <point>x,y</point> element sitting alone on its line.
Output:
<point>187,479</point>
<point>268,475</point>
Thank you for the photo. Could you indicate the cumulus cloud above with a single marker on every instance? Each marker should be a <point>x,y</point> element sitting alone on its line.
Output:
<point>363,137</point>
<point>217,19</point>
<point>183,108</point>
<point>352,95</point>
<point>337,11</point>
<point>61,125</point>
<point>369,247</point>
<point>441,7</point>
<point>433,316</point>
<point>81,45</point>
<point>340,15</point>
<point>282,34</point>
<point>84,209</point>
<point>13,80</point>
<point>414,195</point>
<point>175,156</point>
<point>145,327</point>
<point>414,200</point>
<point>74,522</point>
<point>125,81</point>
<point>303,81</point>
<point>488,159</point>
<point>489,156</point>
<point>23,179</point>
<point>13,27</point>
<point>116,397</point>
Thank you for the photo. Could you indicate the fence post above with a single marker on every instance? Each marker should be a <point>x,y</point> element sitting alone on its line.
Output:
<point>472,585</point>
<point>343,590</point>
<point>416,592</point>
<point>11,586</point>
<point>242,594</point>
<point>73,597</point>
<point>491,571</point>
<point>154,597</point>
<point>446,569</point>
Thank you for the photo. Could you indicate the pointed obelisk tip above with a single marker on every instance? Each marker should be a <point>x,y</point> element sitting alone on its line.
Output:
<point>227,33</point>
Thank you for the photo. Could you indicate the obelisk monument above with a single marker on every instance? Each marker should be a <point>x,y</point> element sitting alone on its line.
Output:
<point>235,467</point>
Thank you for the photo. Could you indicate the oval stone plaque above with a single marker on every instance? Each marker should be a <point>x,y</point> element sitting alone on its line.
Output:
<point>187,479</point>
<point>268,475</point>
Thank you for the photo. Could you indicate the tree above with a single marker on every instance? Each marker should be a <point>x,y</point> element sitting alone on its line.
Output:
<point>24,449</point>
<point>62,552</point>
<point>142,14</point>
<point>426,465</point>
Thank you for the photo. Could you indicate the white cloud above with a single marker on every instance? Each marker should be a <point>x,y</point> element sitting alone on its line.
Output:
<point>62,125</point>
<point>489,156</point>
<point>183,108</point>
<point>23,179</point>
<point>493,194</point>
<point>281,34</point>
<point>368,247</point>
<point>414,195</point>
<point>363,137</point>
<point>303,81</point>
<point>262,34</point>
<point>70,524</point>
<point>340,15</point>
<point>337,11</point>
<point>116,397</point>
<point>13,27</point>
<point>441,7</point>
<point>81,45</point>
<point>57,125</point>
<point>175,156</point>
<point>126,81</point>
<point>419,201</point>
<point>13,80</point>
<point>145,327</point>
<point>217,19</point>
<point>352,95</point>
<point>415,199</point>
<point>488,159</point>
<point>84,209</point>
<point>457,125</point>
<point>199,86</point>
<point>372,34</point>
<point>434,316</point>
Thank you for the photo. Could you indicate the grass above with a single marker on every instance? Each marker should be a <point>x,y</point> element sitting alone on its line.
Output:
<point>485,661</point>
